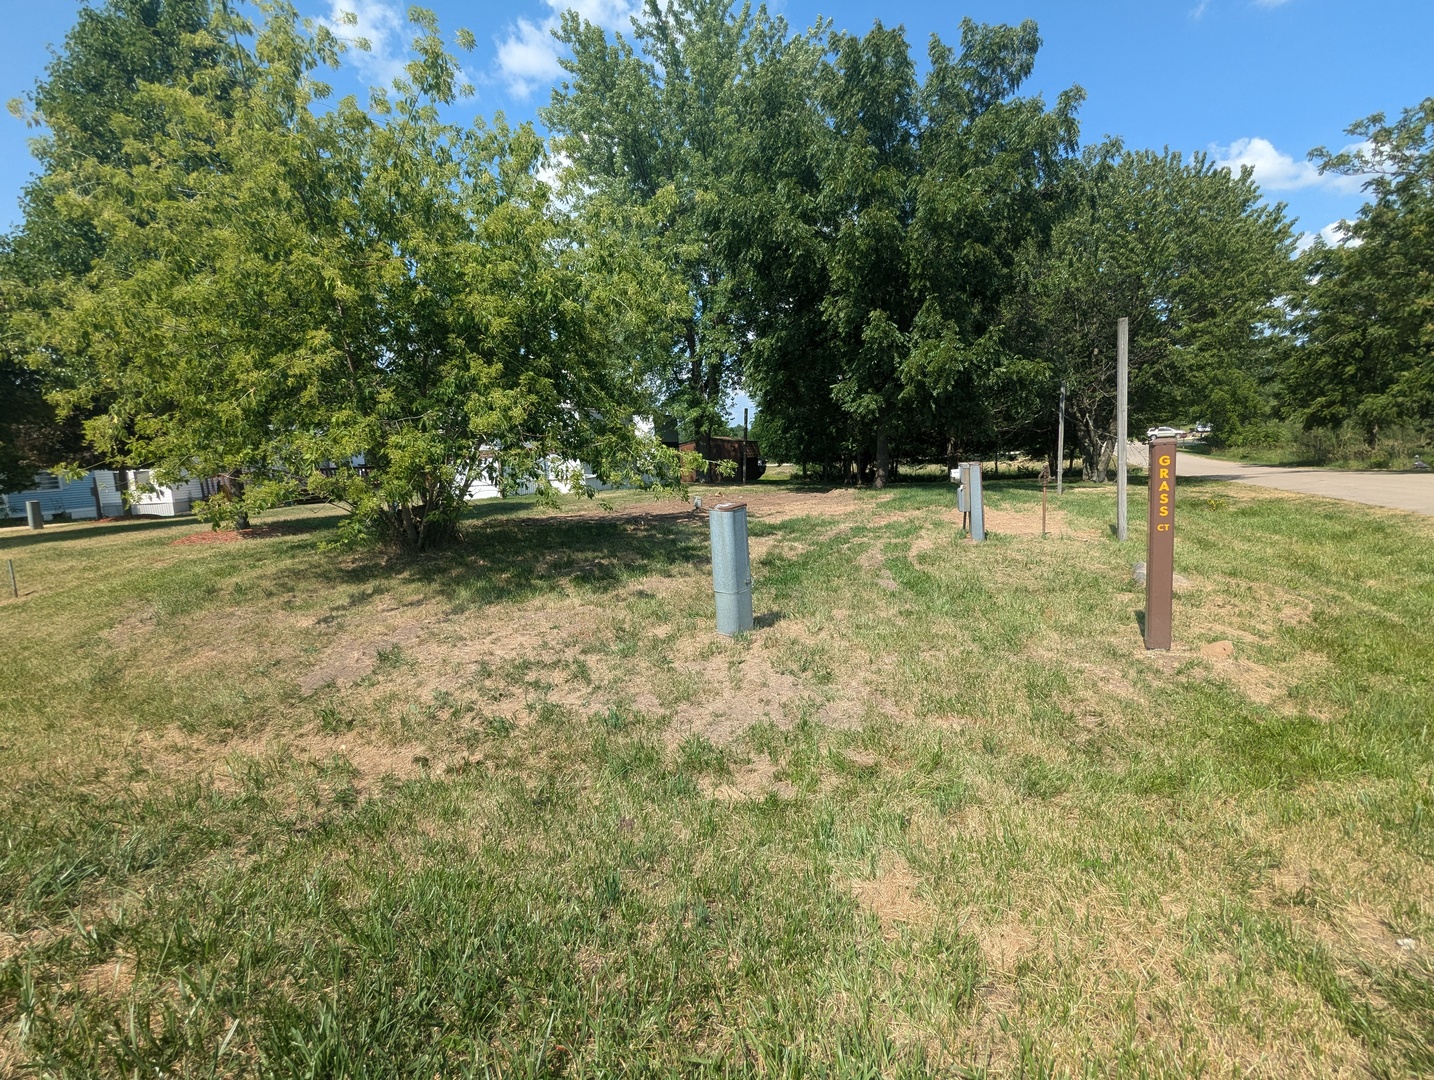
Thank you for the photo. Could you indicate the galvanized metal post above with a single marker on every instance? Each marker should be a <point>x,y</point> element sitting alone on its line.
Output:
<point>1122,419</point>
<point>974,501</point>
<point>731,568</point>
<point>1061,443</point>
<point>33,514</point>
<point>14,588</point>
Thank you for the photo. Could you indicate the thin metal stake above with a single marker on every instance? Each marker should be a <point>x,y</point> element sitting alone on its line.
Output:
<point>1045,482</point>
<point>14,589</point>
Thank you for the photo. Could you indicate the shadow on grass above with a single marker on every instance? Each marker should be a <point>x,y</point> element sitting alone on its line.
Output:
<point>81,530</point>
<point>507,560</point>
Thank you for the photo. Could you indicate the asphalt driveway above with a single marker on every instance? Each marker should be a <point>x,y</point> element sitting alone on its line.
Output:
<point>1397,490</point>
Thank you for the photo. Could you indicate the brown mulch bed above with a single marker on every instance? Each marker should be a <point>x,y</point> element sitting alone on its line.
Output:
<point>209,536</point>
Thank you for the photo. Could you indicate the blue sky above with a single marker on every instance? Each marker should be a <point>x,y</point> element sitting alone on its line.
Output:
<point>1258,81</point>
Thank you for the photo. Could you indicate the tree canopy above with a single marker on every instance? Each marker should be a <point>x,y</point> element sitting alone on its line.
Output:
<point>1369,311</point>
<point>222,271</point>
<point>370,302</point>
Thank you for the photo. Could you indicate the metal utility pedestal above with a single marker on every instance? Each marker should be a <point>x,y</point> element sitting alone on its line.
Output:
<point>969,501</point>
<point>731,568</point>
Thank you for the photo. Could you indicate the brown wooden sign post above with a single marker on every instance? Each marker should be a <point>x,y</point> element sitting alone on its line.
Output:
<point>1160,545</point>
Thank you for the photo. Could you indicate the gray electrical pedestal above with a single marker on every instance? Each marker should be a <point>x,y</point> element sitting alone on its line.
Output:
<point>969,500</point>
<point>33,514</point>
<point>731,568</point>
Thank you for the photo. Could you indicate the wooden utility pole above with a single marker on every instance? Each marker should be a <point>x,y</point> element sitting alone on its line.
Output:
<point>1122,435</point>
<point>1061,442</point>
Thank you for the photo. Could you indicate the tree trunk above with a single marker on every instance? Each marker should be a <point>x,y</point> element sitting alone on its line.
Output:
<point>121,479</point>
<point>1097,447</point>
<point>410,527</point>
<point>233,486</point>
<point>951,458</point>
<point>883,459</point>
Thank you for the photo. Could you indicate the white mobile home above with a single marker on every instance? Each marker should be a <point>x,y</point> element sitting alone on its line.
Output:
<point>95,495</point>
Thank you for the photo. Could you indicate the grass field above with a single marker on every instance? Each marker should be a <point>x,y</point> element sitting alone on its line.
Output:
<point>515,810</point>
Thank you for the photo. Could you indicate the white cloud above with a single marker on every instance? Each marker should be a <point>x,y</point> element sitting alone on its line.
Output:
<point>379,23</point>
<point>1275,171</point>
<point>1333,234</point>
<point>528,55</point>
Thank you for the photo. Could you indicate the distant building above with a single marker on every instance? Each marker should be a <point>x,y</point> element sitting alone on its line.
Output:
<point>95,495</point>
<point>725,448</point>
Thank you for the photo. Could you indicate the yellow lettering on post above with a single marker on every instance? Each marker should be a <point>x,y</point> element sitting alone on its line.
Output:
<point>1164,486</point>
<point>1164,498</point>
<point>1163,528</point>
<point>1164,459</point>
<point>1165,474</point>
<point>1164,512</point>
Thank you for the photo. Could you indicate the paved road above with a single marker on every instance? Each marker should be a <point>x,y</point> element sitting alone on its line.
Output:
<point>1398,490</point>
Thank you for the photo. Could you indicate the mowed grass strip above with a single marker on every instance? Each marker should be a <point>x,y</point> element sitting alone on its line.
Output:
<point>515,810</point>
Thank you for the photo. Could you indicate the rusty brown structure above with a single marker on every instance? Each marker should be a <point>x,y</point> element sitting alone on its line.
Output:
<point>726,449</point>
<point>1160,545</point>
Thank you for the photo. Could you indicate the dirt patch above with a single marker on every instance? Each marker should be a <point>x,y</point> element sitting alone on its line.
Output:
<point>129,628</point>
<point>1263,684</point>
<point>1016,522</point>
<point>13,945</point>
<point>367,763</point>
<point>754,781</point>
<point>891,895</point>
<point>112,979</point>
<point>762,504</point>
<point>731,698</point>
<point>1003,944</point>
<point>347,661</point>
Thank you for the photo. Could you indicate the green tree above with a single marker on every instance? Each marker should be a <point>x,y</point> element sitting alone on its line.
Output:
<point>650,121</point>
<point>875,258</point>
<point>371,302</point>
<point>1200,266</point>
<point>1368,315</point>
<point>87,108</point>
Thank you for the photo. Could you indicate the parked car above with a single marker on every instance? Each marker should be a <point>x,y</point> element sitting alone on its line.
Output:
<point>1164,432</point>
